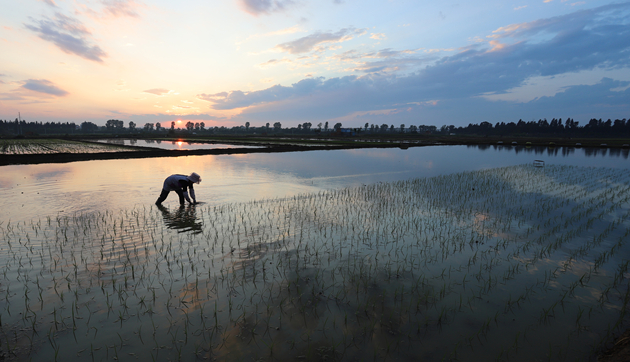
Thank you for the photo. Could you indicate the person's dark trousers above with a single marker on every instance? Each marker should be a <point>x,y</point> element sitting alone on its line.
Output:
<point>162,197</point>
<point>181,196</point>
<point>165,193</point>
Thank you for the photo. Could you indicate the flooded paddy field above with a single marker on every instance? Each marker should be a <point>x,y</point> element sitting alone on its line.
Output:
<point>170,144</point>
<point>514,263</point>
<point>51,146</point>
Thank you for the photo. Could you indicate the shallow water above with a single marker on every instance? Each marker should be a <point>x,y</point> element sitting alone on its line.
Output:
<point>516,264</point>
<point>83,187</point>
<point>171,145</point>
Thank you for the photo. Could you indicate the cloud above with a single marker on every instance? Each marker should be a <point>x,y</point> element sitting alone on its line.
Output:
<point>389,60</point>
<point>212,97</point>
<point>581,102</point>
<point>377,36</point>
<point>273,62</point>
<point>257,7</point>
<point>314,41</point>
<point>576,22</point>
<point>346,106</point>
<point>586,97</point>
<point>166,119</point>
<point>292,30</point>
<point>50,2</point>
<point>239,99</point>
<point>120,8</point>
<point>315,89</point>
<point>158,91</point>
<point>589,40</point>
<point>113,9</point>
<point>69,35</point>
<point>44,86</point>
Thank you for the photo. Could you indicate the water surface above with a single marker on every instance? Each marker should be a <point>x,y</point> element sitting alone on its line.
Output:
<point>88,186</point>
<point>171,145</point>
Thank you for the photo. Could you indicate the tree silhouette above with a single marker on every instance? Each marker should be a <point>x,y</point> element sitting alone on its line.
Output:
<point>88,127</point>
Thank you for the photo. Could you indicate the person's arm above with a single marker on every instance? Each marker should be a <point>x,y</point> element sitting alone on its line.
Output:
<point>192,194</point>
<point>184,195</point>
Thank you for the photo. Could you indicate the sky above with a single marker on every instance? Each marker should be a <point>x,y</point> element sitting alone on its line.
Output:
<point>227,62</point>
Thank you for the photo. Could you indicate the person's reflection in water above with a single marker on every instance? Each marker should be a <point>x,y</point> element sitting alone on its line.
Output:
<point>183,219</point>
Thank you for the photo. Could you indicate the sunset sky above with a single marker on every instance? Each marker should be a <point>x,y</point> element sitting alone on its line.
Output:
<point>294,61</point>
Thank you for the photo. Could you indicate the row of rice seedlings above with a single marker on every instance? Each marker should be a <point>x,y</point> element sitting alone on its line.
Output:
<point>514,263</point>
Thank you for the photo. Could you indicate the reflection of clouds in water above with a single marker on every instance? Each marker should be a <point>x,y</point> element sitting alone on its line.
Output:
<point>50,174</point>
<point>183,219</point>
<point>374,153</point>
<point>114,141</point>
<point>24,174</point>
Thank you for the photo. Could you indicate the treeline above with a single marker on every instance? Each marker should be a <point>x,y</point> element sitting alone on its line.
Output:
<point>542,127</point>
<point>36,128</point>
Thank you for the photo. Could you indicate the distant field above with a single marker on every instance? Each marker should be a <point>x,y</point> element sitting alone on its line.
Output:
<point>50,146</point>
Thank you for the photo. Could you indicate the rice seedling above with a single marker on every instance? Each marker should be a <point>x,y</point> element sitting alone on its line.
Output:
<point>515,263</point>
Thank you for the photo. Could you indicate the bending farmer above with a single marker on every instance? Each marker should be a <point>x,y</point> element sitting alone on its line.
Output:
<point>180,184</point>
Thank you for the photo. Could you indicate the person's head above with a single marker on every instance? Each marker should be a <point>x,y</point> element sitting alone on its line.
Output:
<point>194,178</point>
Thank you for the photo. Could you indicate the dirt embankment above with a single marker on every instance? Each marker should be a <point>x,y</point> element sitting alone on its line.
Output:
<point>296,144</point>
